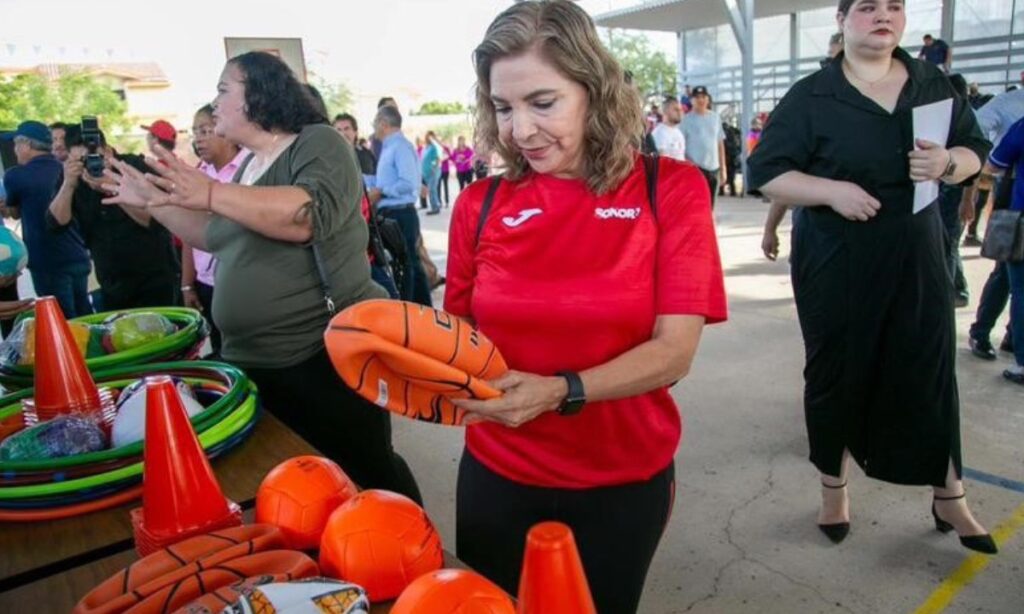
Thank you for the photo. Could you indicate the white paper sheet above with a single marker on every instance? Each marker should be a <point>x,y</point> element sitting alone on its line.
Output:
<point>931,123</point>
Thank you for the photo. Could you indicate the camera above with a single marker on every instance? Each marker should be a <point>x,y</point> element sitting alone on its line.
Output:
<point>93,140</point>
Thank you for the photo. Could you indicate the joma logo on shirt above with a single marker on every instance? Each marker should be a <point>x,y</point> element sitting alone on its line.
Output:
<point>629,213</point>
<point>524,215</point>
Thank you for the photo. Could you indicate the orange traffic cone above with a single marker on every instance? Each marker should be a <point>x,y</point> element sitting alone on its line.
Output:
<point>180,494</point>
<point>552,578</point>
<point>63,384</point>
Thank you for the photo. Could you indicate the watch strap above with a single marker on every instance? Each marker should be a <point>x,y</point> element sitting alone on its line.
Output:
<point>576,396</point>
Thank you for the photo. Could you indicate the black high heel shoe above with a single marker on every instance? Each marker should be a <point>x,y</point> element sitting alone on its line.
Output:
<point>979,543</point>
<point>836,531</point>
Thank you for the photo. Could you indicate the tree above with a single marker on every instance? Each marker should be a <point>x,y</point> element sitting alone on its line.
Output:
<point>337,96</point>
<point>653,73</point>
<point>32,96</point>
<point>435,107</point>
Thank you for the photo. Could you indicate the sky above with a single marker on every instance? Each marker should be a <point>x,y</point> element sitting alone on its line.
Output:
<point>415,50</point>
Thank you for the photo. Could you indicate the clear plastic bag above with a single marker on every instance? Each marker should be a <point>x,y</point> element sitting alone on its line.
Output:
<point>62,436</point>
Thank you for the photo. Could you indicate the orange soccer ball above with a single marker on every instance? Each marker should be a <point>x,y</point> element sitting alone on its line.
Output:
<point>381,541</point>
<point>453,591</point>
<point>299,495</point>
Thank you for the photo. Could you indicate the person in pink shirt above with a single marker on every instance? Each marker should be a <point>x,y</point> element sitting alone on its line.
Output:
<point>220,159</point>
<point>462,156</point>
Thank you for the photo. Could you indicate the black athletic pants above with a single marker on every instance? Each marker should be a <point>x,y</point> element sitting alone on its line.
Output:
<point>712,178</point>
<point>442,188</point>
<point>465,178</point>
<point>8,293</point>
<point>314,402</point>
<point>617,529</point>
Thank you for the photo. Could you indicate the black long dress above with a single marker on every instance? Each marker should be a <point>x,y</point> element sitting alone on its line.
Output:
<point>874,298</point>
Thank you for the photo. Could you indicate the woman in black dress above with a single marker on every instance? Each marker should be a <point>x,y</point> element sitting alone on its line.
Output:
<point>872,291</point>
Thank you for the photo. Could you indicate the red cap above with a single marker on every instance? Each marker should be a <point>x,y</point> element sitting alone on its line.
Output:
<point>162,130</point>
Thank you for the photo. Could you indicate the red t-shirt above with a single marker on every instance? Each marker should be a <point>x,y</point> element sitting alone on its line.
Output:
<point>563,279</point>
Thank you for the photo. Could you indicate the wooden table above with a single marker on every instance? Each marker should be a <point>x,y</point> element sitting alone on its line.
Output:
<point>55,563</point>
<point>49,566</point>
<point>61,592</point>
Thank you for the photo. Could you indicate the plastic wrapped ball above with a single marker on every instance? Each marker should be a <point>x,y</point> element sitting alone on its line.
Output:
<point>62,436</point>
<point>130,422</point>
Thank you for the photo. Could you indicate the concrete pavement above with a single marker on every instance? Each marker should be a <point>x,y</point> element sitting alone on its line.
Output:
<point>743,537</point>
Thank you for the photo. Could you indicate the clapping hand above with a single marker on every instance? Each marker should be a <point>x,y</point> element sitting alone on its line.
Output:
<point>185,186</point>
<point>129,186</point>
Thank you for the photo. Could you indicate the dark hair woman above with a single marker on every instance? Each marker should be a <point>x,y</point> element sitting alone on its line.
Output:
<point>872,291</point>
<point>291,246</point>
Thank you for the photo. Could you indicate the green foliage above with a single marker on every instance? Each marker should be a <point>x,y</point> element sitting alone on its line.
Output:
<point>653,72</point>
<point>337,96</point>
<point>435,107</point>
<point>73,95</point>
<point>449,132</point>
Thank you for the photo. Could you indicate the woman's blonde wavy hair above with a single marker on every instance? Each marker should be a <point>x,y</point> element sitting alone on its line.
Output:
<point>565,36</point>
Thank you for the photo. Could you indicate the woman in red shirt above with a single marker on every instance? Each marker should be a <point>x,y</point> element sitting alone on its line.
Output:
<point>593,294</point>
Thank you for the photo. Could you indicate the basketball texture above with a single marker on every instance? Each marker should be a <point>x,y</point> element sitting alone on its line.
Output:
<point>411,359</point>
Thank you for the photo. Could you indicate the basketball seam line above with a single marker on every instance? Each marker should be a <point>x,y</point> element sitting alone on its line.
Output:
<point>458,329</point>
<point>175,556</point>
<point>405,313</point>
<point>487,363</point>
<point>362,373</point>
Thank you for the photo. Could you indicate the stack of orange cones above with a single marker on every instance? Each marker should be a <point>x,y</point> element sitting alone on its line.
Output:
<point>180,494</point>
<point>553,578</point>
<point>63,384</point>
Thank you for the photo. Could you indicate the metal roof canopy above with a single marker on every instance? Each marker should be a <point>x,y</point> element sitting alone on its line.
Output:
<point>681,15</point>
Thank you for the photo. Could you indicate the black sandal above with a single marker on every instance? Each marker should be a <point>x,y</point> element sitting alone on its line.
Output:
<point>836,531</point>
<point>979,543</point>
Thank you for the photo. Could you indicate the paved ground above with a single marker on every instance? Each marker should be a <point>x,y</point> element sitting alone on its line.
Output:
<point>743,538</point>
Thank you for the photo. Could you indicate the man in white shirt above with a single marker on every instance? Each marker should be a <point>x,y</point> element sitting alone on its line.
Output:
<point>668,137</point>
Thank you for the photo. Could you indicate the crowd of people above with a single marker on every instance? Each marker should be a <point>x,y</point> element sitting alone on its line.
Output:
<point>277,230</point>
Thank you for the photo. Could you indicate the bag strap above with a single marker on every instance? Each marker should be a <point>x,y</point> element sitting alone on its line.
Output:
<point>321,270</point>
<point>485,209</point>
<point>651,164</point>
<point>376,242</point>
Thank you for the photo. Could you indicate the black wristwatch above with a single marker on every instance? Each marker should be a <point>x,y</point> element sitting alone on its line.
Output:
<point>574,401</point>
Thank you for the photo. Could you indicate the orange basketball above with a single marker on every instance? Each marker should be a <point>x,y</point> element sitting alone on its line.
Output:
<point>412,359</point>
<point>381,541</point>
<point>453,591</point>
<point>299,495</point>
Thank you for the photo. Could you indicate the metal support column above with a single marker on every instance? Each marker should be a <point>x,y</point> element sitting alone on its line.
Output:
<point>948,17</point>
<point>794,48</point>
<point>741,18</point>
<point>680,61</point>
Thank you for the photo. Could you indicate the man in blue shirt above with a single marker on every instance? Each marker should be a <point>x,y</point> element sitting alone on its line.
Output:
<point>936,51</point>
<point>59,263</point>
<point>394,193</point>
<point>995,120</point>
<point>1010,153</point>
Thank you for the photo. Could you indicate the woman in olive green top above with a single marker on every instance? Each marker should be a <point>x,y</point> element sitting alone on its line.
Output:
<point>300,188</point>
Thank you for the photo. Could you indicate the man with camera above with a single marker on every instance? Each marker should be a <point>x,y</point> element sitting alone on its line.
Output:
<point>59,264</point>
<point>135,262</point>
